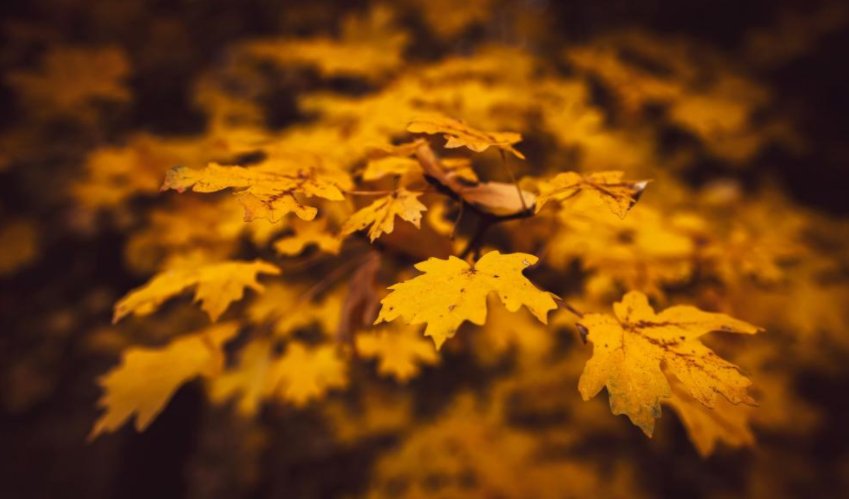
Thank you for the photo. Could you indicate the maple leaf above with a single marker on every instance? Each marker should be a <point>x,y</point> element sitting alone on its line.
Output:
<point>248,381</point>
<point>617,194</point>
<point>397,160</point>
<point>263,191</point>
<point>305,374</point>
<point>380,214</point>
<point>459,134</point>
<point>628,352</point>
<point>390,165</point>
<point>216,286</point>
<point>400,351</point>
<point>288,308</point>
<point>451,291</point>
<point>71,80</point>
<point>306,234</point>
<point>370,47</point>
<point>706,426</point>
<point>148,377</point>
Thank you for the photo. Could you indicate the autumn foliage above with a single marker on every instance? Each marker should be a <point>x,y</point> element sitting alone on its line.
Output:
<point>457,256</point>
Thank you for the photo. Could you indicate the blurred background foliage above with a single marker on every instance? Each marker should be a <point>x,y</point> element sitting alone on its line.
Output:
<point>736,110</point>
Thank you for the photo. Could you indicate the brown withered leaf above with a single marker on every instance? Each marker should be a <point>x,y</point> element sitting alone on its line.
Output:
<point>362,301</point>
<point>495,198</point>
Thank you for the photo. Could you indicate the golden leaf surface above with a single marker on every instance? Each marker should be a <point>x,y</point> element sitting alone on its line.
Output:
<point>304,374</point>
<point>216,286</point>
<point>148,377</point>
<point>451,291</point>
<point>380,215</point>
<point>617,194</point>
<point>70,80</point>
<point>313,233</point>
<point>246,382</point>
<point>369,46</point>
<point>707,426</point>
<point>459,134</point>
<point>263,191</point>
<point>628,351</point>
<point>401,351</point>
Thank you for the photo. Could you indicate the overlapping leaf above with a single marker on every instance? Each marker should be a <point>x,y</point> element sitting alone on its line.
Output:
<point>401,351</point>
<point>617,194</point>
<point>216,286</point>
<point>450,292</point>
<point>380,215</point>
<point>459,134</point>
<point>630,348</point>
<point>147,377</point>
<point>264,192</point>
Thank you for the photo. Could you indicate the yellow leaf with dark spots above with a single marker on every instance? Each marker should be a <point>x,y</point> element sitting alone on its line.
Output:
<point>450,292</point>
<point>608,187</point>
<point>629,349</point>
<point>459,134</point>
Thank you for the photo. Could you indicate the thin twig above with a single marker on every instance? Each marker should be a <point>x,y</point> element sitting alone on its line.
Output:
<point>369,193</point>
<point>570,308</point>
<point>513,179</point>
<point>457,221</point>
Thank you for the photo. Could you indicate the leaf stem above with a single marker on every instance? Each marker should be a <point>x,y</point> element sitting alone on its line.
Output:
<point>513,179</point>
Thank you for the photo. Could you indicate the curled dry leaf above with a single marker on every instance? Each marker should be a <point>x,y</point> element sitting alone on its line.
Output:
<point>494,198</point>
<point>216,286</point>
<point>629,349</point>
<point>450,292</point>
<point>362,301</point>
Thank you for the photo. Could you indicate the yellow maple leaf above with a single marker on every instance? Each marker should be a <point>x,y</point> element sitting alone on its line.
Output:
<point>617,194</point>
<point>304,374</point>
<point>216,286</point>
<point>306,234</point>
<point>451,291</point>
<point>71,80</point>
<point>459,134</point>
<point>378,168</point>
<point>287,308</point>
<point>400,351</point>
<point>148,377</point>
<point>264,192</point>
<point>248,381</point>
<point>380,214</point>
<point>706,426</point>
<point>628,351</point>
<point>18,244</point>
<point>370,47</point>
